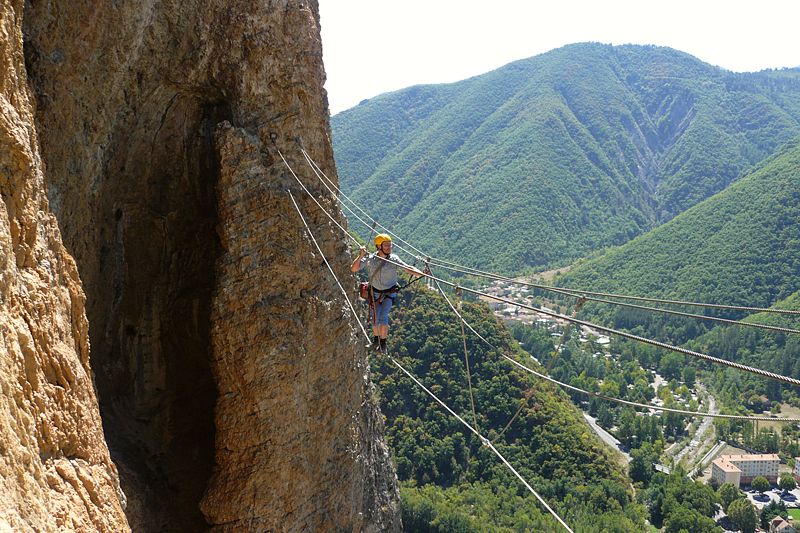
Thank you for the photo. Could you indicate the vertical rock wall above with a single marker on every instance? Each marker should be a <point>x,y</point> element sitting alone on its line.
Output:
<point>232,385</point>
<point>55,469</point>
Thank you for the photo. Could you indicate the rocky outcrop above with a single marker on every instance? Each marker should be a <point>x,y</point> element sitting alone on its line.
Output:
<point>297,428</point>
<point>233,388</point>
<point>55,469</point>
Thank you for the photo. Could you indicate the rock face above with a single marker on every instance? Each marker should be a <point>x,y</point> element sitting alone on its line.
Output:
<point>55,469</point>
<point>231,382</point>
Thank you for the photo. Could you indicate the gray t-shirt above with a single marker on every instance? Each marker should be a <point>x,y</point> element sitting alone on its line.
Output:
<point>381,277</point>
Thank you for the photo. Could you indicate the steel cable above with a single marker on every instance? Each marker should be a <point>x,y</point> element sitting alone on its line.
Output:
<point>698,414</point>
<point>483,439</point>
<point>644,340</point>
<point>463,269</point>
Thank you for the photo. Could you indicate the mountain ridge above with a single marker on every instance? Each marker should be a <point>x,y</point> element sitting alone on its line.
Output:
<point>583,147</point>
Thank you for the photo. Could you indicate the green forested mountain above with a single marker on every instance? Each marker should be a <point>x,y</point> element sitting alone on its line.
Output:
<point>549,158</point>
<point>740,247</point>
<point>451,482</point>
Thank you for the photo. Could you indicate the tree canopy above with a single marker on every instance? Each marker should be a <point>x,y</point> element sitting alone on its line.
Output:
<point>548,442</point>
<point>760,484</point>
<point>742,514</point>
<point>728,492</point>
<point>786,481</point>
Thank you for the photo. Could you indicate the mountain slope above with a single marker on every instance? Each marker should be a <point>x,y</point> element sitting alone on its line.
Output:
<point>549,443</point>
<point>741,246</point>
<point>548,158</point>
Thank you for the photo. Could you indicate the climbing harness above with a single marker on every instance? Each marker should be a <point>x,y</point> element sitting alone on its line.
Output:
<point>367,292</point>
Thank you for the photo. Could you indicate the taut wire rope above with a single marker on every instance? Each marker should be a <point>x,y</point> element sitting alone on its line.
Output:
<point>327,183</point>
<point>545,377</point>
<point>586,295</point>
<point>466,361</point>
<point>448,265</point>
<point>576,292</point>
<point>644,340</point>
<point>487,443</point>
<point>483,439</point>
<point>338,194</point>
<point>330,268</point>
<point>717,360</point>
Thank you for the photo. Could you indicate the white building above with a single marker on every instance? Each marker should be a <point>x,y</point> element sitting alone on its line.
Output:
<point>723,471</point>
<point>738,469</point>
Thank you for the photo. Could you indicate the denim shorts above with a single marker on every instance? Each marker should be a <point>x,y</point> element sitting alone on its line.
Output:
<point>382,309</point>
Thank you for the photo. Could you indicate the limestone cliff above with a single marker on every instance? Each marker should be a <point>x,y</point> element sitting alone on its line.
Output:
<point>232,386</point>
<point>55,470</point>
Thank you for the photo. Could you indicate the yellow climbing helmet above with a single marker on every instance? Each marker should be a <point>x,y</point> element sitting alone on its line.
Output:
<point>381,238</point>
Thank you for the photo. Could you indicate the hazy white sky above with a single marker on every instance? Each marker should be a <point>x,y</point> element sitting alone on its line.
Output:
<point>375,46</point>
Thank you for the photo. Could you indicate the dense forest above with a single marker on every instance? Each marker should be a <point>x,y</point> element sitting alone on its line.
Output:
<point>450,481</point>
<point>551,158</point>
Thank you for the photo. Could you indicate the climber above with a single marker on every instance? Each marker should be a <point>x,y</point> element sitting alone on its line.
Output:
<point>383,284</point>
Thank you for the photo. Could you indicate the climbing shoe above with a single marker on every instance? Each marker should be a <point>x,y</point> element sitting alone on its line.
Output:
<point>375,344</point>
<point>383,348</point>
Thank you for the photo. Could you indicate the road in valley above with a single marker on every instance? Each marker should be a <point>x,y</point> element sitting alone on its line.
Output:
<point>693,453</point>
<point>606,437</point>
